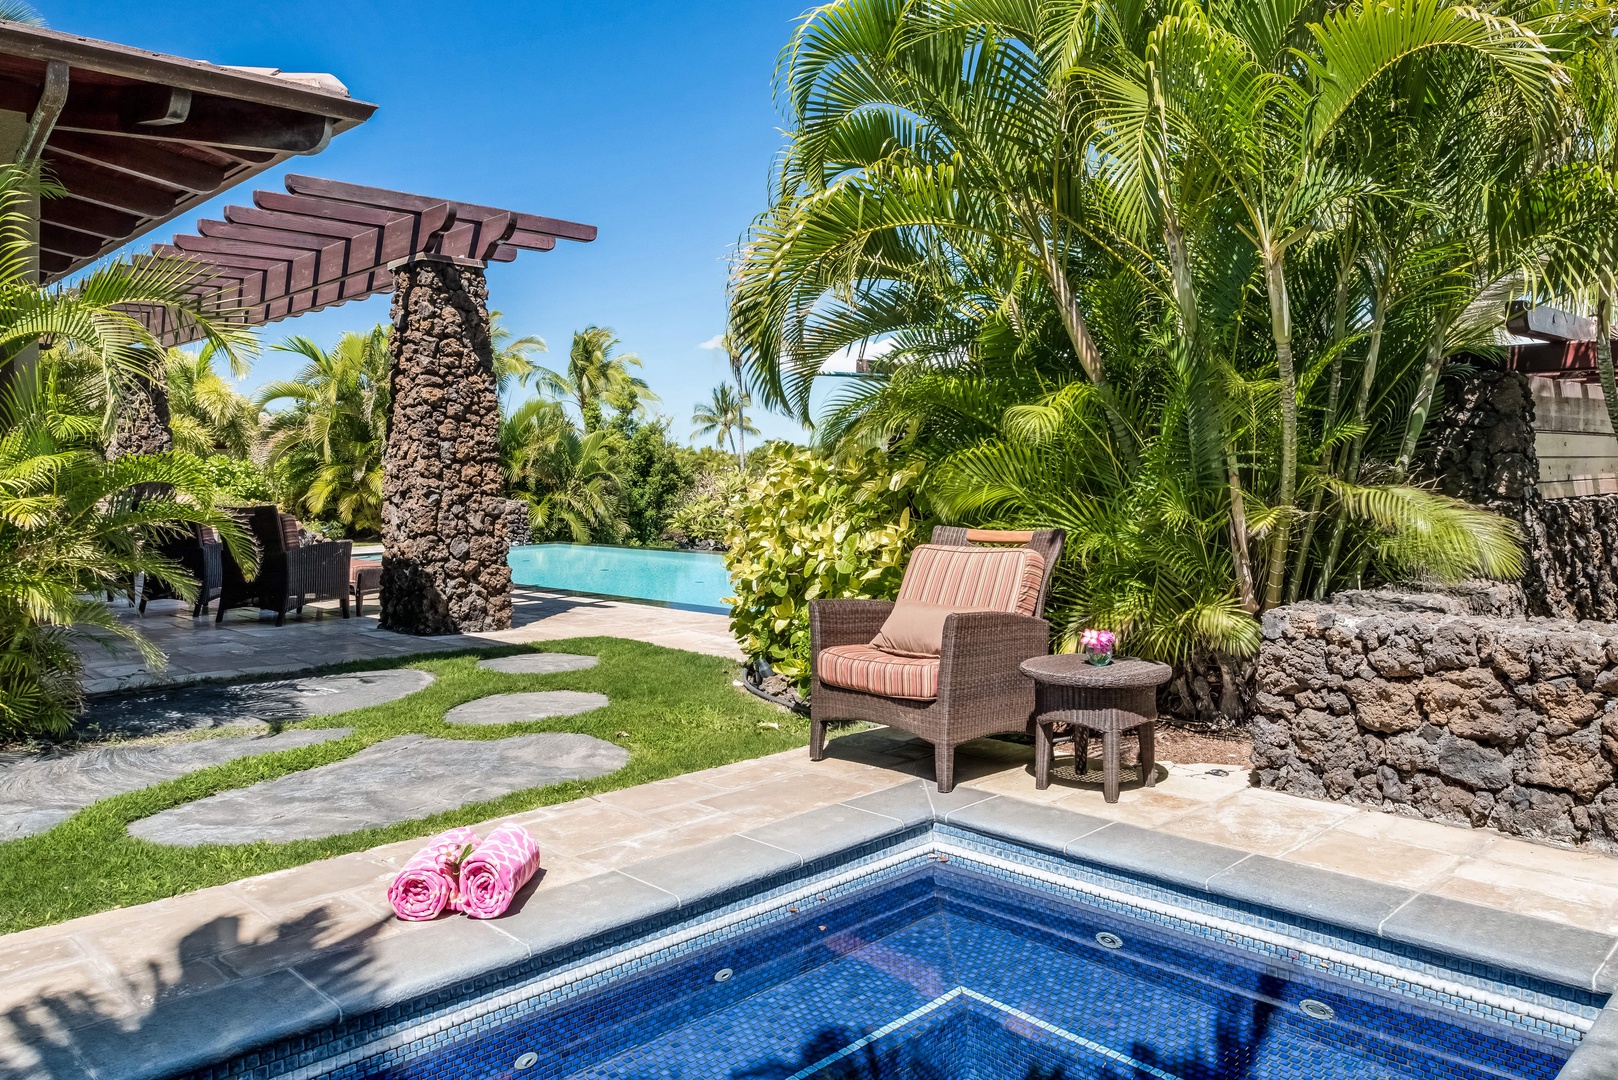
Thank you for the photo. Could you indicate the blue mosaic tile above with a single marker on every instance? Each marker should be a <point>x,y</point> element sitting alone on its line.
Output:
<point>943,953</point>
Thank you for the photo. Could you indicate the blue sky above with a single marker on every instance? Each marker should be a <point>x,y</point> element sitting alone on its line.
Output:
<point>650,119</point>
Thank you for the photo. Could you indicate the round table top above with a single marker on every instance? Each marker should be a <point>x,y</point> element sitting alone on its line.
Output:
<point>1072,669</point>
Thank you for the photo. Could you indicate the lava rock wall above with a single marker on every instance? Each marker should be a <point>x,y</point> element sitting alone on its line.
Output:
<point>1460,717</point>
<point>444,567</point>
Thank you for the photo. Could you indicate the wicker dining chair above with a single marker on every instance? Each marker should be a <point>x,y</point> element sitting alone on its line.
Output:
<point>973,687</point>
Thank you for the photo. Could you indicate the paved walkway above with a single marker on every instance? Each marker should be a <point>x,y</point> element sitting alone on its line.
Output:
<point>333,915</point>
<point>245,645</point>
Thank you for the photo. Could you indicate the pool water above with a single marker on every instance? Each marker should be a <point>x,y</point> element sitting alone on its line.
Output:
<point>948,973</point>
<point>688,579</point>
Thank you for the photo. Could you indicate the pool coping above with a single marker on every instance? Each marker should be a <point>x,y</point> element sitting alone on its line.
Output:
<point>450,955</point>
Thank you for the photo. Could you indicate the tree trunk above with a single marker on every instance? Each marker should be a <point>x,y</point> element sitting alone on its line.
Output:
<point>1362,406</point>
<point>1084,346</point>
<point>1287,484</point>
<point>1609,385</point>
<point>1423,404</point>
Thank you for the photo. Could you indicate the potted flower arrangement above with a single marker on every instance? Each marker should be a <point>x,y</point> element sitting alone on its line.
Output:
<point>1098,646</point>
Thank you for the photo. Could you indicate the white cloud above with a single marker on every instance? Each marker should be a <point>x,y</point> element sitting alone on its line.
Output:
<point>845,361</point>
<point>715,342</point>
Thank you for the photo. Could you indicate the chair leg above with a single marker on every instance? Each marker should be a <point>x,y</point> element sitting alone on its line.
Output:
<point>345,607</point>
<point>944,767</point>
<point>817,739</point>
<point>280,618</point>
<point>219,618</point>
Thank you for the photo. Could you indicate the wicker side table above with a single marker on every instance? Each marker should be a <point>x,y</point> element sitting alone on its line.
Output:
<point>1108,700</point>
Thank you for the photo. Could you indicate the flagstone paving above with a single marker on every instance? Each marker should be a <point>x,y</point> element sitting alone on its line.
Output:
<point>98,979</point>
<point>249,645</point>
<point>539,663</point>
<point>524,708</point>
<point>38,791</point>
<point>245,704</point>
<point>400,779</point>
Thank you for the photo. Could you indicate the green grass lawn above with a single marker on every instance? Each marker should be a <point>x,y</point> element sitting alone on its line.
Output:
<point>675,712</point>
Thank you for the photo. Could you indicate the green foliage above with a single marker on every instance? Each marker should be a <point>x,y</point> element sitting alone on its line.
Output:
<point>810,526</point>
<point>1180,279</point>
<point>75,527</point>
<point>570,480</point>
<point>705,515</point>
<point>206,414</point>
<point>328,445</point>
<point>655,478</point>
<point>598,376</point>
<point>724,416</point>
<point>238,481</point>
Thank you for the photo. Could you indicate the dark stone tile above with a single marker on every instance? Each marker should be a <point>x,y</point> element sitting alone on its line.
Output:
<point>1311,892</point>
<point>550,919</point>
<point>419,959</point>
<point>1035,824</point>
<point>1552,951</point>
<point>710,869</point>
<point>823,832</point>
<point>1163,856</point>
<point>908,803</point>
<point>200,1029</point>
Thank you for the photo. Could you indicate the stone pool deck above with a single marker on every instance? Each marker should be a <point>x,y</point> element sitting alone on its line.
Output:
<point>248,646</point>
<point>134,992</point>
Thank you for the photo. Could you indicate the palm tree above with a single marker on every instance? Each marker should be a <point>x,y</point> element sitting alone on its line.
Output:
<point>570,481</point>
<point>332,439</point>
<point>206,414</point>
<point>597,373</point>
<point>513,357</point>
<point>74,526</point>
<point>725,417</point>
<point>1088,229</point>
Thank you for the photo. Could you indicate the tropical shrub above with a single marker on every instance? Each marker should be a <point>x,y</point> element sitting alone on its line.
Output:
<point>328,444</point>
<point>73,528</point>
<point>656,480</point>
<point>239,481</point>
<point>1181,279</point>
<point>705,515</point>
<point>809,526</point>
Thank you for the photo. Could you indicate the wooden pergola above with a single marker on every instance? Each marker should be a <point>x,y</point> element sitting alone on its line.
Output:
<point>137,138</point>
<point>323,242</point>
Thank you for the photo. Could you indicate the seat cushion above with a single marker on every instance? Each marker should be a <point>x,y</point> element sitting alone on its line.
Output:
<point>867,668</point>
<point>975,578</point>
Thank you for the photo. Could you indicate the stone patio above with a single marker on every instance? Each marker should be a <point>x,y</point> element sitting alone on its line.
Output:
<point>245,645</point>
<point>317,942</point>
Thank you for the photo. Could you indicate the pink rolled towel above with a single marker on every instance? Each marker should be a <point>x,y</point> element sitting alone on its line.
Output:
<point>428,882</point>
<point>500,866</point>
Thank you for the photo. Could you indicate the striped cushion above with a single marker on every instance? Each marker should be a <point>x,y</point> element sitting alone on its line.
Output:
<point>867,668</point>
<point>982,578</point>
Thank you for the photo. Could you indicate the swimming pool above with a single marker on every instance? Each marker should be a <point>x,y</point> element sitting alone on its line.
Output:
<point>930,966</point>
<point>696,580</point>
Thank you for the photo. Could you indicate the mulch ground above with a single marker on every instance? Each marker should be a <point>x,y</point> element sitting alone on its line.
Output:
<point>1178,744</point>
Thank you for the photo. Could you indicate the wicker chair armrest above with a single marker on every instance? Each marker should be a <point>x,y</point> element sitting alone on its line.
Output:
<point>845,622</point>
<point>984,649</point>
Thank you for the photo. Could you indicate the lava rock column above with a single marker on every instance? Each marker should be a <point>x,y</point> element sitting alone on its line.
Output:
<point>444,567</point>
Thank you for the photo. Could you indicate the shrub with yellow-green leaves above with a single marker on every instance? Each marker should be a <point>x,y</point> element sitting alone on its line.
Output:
<point>807,527</point>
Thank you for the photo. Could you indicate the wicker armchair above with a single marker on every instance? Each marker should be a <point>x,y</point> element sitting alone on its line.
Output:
<point>199,551</point>
<point>979,688</point>
<point>290,574</point>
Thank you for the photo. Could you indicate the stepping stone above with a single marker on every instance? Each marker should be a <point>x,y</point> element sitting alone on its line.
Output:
<point>38,791</point>
<point>549,663</point>
<point>522,708</point>
<point>403,779</point>
<point>192,708</point>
